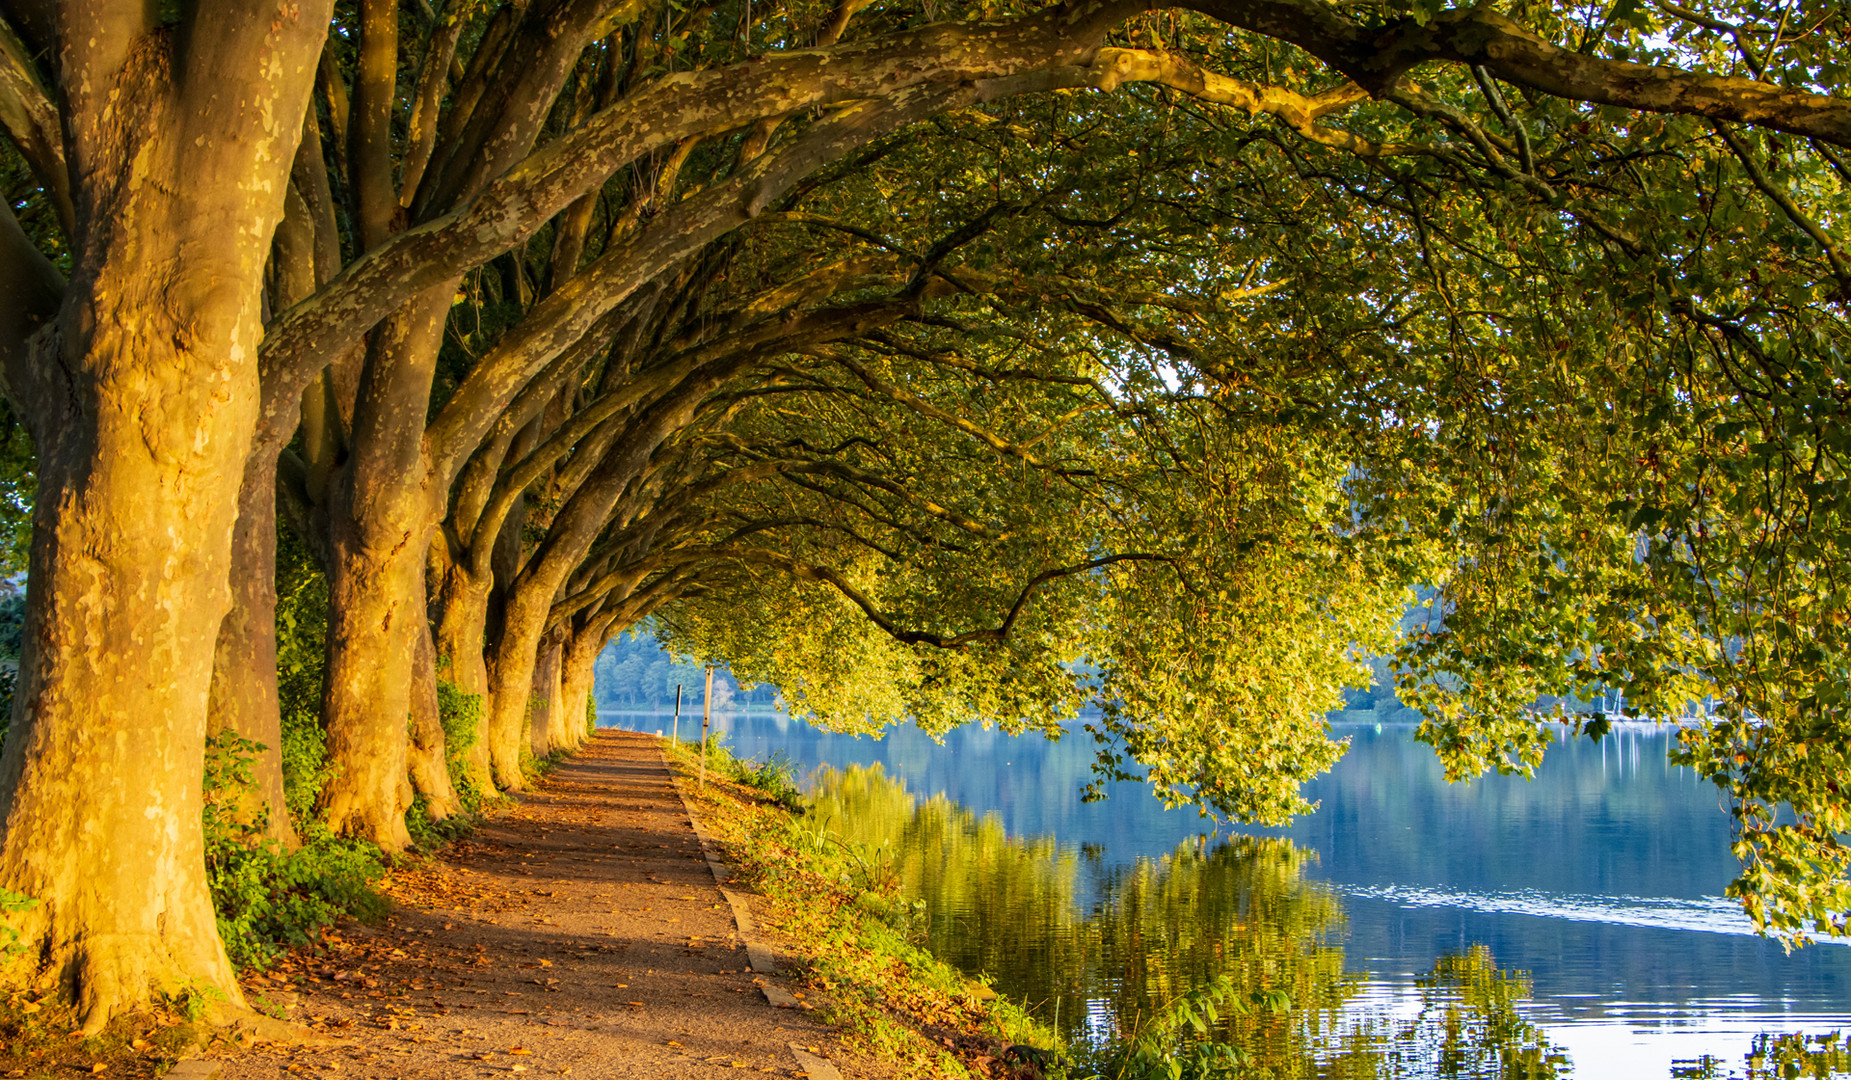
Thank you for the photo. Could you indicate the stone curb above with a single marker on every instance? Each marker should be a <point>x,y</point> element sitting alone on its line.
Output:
<point>757,952</point>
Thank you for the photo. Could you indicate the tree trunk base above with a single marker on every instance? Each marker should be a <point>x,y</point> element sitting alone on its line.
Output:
<point>106,976</point>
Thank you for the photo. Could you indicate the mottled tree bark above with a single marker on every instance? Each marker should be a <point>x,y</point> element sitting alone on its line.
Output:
<point>373,605</point>
<point>143,398</point>
<point>576,677</point>
<point>244,701</point>
<point>516,659</point>
<point>543,705</point>
<point>380,523</point>
<point>391,493</point>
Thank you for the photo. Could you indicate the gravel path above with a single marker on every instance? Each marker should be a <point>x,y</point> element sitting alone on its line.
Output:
<point>580,934</point>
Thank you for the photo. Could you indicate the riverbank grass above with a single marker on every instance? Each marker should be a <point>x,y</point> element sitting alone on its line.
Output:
<point>842,910</point>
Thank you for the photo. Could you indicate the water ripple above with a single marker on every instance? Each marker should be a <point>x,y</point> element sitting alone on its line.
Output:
<point>1706,914</point>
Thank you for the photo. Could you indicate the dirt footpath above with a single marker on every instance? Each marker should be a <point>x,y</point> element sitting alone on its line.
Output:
<point>579,934</point>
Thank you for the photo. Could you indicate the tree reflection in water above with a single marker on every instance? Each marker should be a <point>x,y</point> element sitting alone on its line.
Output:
<point>1101,953</point>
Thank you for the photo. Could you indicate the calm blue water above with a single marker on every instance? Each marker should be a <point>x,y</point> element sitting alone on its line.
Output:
<point>1602,878</point>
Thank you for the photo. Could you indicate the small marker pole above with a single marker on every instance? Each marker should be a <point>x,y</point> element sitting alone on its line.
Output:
<point>706,718</point>
<point>675,739</point>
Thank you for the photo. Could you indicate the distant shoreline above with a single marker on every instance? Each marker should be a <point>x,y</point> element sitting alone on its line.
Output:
<point>1340,719</point>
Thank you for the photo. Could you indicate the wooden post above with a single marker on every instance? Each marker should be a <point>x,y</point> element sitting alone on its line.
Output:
<point>675,738</point>
<point>706,719</point>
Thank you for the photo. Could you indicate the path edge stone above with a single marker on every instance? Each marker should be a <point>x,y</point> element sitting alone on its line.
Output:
<point>757,952</point>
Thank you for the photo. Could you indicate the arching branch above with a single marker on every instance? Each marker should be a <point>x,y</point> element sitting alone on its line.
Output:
<point>829,576</point>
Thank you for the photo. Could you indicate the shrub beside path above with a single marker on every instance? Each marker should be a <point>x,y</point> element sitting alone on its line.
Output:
<point>580,933</point>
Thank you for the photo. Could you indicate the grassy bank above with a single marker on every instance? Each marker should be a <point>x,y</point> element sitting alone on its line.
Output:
<point>843,912</point>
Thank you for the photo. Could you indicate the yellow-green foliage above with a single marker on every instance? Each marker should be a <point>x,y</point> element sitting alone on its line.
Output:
<point>1240,608</point>
<point>460,713</point>
<point>11,903</point>
<point>301,653</point>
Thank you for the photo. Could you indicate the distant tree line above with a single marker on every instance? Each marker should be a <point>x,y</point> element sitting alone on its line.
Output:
<point>635,672</point>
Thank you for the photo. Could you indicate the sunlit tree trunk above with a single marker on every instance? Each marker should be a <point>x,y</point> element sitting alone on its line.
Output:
<point>549,699</point>
<point>366,698</point>
<point>244,691</point>
<point>540,707</point>
<point>143,396</point>
<point>576,677</point>
<point>380,519</point>
<point>100,784</point>
<point>516,660</point>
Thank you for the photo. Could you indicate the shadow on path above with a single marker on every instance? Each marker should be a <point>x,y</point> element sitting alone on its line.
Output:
<point>579,933</point>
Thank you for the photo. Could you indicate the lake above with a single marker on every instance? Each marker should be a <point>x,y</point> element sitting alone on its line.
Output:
<point>1570,925</point>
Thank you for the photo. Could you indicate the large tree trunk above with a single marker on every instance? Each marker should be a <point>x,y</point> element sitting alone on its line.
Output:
<point>100,781</point>
<point>143,400</point>
<point>374,596</point>
<point>381,521</point>
<point>546,735</point>
<point>576,675</point>
<point>244,692</point>
<point>516,657</point>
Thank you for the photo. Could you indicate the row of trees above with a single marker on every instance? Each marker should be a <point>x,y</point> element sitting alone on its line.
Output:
<point>979,360</point>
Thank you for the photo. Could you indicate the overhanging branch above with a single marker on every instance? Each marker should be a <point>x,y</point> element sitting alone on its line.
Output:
<point>831,577</point>
<point>1377,56</point>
